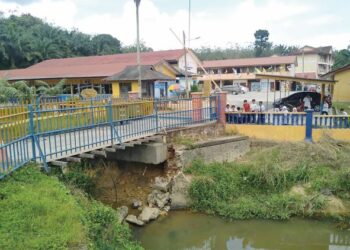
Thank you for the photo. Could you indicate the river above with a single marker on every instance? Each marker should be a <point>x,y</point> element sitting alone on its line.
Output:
<point>192,231</point>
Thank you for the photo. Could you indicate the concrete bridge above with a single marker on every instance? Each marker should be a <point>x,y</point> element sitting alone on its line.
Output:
<point>62,135</point>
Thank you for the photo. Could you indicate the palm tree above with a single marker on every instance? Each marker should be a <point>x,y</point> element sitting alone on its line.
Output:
<point>7,91</point>
<point>45,89</point>
<point>24,91</point>
<point>17,90</point>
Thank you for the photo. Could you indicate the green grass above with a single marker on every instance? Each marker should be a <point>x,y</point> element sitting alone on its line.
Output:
<point>259,185</point>
<point>344,105</point>
<point>40,212</point>
<point>189,142</point>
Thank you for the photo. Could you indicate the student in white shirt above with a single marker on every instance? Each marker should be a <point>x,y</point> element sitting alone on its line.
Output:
<point>254,109</point>
<point>227,108</point>
<point>344,122</point>
<point>261,115</point>
<point>307,102</point>
<point>325,108</point>
<point>343,112</point>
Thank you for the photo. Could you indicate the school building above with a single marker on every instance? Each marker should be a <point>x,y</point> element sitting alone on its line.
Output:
<point>160,69</point>
<point>342,88</point>
<point>244,71</point>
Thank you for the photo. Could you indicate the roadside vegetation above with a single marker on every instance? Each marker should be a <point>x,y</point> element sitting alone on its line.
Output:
<point>342,105</point>
<point>40,212</point>
<point>277,182</point>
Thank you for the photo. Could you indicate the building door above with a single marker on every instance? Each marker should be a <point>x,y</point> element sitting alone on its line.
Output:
<point>147,89</point>
<point>125,88</point>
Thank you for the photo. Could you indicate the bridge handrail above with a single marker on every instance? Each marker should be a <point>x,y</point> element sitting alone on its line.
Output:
<point>43,133</point>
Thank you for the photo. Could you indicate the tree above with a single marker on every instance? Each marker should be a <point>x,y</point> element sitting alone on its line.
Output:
<point>262,44</point>
<point>26,40</point>
<point>283,50</point>
<point>17,90</point>
<point>45,89</point>
<point>133,48</point>
<point>341,58</point>
<point>105,44</point>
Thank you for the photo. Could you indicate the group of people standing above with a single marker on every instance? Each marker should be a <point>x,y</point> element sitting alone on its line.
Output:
<point>238,114</point>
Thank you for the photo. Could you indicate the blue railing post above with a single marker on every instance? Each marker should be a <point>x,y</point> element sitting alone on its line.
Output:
<point>156,114</point>
<point>110,120</point>
<point>32,129</point>
<point>92,112</point>
<point>308,131</point>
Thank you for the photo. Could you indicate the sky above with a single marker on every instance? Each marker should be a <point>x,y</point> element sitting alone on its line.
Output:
<point>218,23</point>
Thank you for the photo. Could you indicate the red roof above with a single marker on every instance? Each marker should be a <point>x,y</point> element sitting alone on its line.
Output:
<point>250,62</point>
<point>90,66</point>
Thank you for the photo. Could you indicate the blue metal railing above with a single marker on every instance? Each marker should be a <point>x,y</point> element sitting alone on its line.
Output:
<point>331,121</point>
<point>47,134</point>
<point>266,118</point>
<point>307,119</point>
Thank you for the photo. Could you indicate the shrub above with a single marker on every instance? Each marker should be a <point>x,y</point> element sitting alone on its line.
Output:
<point>258,186</point>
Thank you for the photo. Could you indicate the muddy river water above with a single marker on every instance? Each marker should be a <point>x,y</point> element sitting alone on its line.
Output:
<point>193,231</point>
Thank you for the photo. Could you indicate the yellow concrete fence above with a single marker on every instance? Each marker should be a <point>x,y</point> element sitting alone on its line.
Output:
<point>286,132</point>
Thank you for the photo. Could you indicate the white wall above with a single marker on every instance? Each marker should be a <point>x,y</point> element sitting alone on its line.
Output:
<point>310,63</point>
<point>191,64</point>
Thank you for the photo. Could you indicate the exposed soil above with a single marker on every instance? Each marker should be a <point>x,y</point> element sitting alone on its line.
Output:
<point>119,183</point>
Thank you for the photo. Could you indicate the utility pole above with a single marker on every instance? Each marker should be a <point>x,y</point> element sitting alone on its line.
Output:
<point>185,55</point>
<point>302,85</point>
<point>137,2</point>
<point>189,23</point>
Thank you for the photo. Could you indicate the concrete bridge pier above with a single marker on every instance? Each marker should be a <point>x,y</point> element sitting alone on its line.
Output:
<point>148,153</point>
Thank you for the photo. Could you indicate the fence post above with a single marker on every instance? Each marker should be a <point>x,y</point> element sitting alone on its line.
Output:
<point>155,103</point>
<point>196,106</point>
<point>110,119</point>
<point>308,124</point>
<point>222,100</point>
<point>32,129</point>
<point>92,112</point>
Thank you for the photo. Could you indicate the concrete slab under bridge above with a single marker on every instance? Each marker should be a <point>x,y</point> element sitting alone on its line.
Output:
<point>148,153</point>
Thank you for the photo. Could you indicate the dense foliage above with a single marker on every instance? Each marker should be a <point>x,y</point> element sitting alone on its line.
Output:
<point>341,58</point>
<point>26,40</point>
<point>274,183</point>
<point>40,212</point>
<point>23,91</point>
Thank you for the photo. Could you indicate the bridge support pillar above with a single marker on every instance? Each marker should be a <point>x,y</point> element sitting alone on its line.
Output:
<point>196,106</point>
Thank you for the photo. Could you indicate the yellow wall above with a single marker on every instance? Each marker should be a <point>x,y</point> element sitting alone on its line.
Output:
<point>310,63</point>
<point>342,86</point>
<point>165,70</point>
<point>135,86</point>
<point>286,133</point>
<point>269,132</point>
<point>116,89</point>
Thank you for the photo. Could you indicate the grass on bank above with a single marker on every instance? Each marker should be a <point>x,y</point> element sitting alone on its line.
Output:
<point>40,212</point>
<point>290,179</point>
<point>344,105</point>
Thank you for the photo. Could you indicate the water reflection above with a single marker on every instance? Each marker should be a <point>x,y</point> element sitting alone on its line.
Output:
<point>187,231</point>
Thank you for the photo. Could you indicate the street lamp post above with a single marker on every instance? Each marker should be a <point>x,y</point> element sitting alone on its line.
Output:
<point>189,23</point>
<point>137,3</point>
<point>185,57</point>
